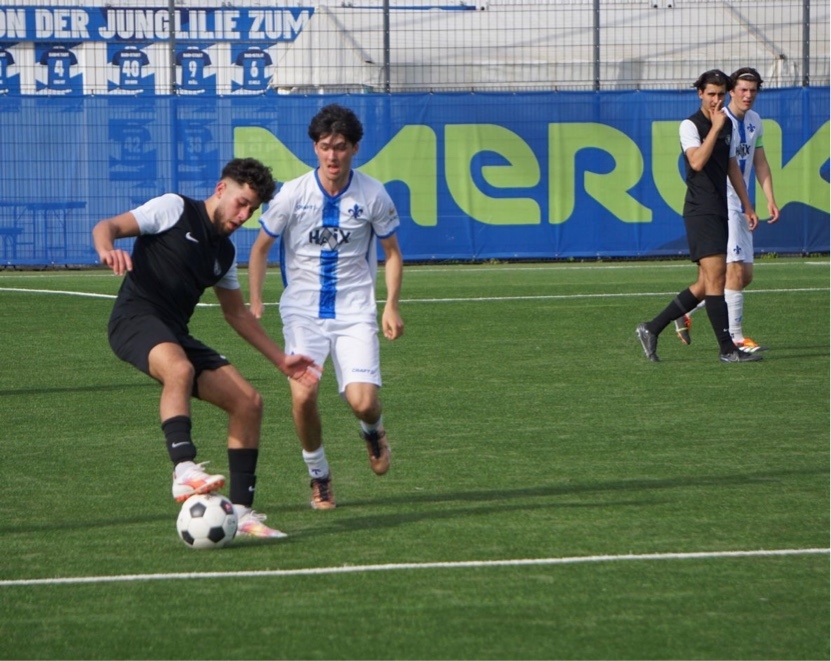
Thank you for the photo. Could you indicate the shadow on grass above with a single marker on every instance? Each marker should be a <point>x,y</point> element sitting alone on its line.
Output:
<point>397,519</point>
<point>28,392</point>
<point>504,497</point>
<point>507,500</point>
<point>571,489</point>
<point>54,526</point>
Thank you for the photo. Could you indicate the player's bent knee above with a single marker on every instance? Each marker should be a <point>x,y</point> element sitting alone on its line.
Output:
<point>254,403</point>
<point>366,408</point>
<point>247,404</point>
<point>179,371</point>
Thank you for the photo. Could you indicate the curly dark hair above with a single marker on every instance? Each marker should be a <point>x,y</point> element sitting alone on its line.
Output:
<point>713,77</point>
<point>250,171</point>
<point>335,119</point>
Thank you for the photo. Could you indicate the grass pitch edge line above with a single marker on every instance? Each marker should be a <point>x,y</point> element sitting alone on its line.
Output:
<point>470,299</point>
<point>353,569</point>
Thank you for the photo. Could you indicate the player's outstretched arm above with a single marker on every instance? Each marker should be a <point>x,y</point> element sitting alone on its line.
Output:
<point>239,317</point>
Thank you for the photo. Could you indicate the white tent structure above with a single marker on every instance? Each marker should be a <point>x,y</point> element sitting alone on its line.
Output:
<point>511,45</point>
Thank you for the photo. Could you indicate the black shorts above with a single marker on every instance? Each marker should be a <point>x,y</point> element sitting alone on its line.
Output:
<point>132,339</point>
<point>706,235</point>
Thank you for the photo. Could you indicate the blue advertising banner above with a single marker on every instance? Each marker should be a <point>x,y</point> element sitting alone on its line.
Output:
<point>475,176</point>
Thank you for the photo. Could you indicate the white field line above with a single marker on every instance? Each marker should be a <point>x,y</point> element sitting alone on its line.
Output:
<point>416,269</point>
<point>584,266</point>
<point>358,569</point>
<point>59,292</point>
<point>477,299</point>
<point>562,297</point>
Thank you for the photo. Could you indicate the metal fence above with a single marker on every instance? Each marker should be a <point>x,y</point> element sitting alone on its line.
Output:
<point>503,129</point>
<point>358,46</point>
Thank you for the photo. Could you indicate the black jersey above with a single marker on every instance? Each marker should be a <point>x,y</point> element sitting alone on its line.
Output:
<point>707,189</point>
<point>172,269</point>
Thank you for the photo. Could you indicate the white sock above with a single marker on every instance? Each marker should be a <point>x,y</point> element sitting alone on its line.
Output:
<point>697,307</point>
<point>316,463</point>
<point>367,428</point>
<point>241,511</point>
<point>735,309</point>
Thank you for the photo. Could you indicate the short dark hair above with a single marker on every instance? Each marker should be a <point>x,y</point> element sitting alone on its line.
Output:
<point>746,73</point>
<point>334,119</point>
<point>713,77</point>
<point>250,171</point>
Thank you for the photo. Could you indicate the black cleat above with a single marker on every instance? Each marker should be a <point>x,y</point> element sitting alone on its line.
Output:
<point>739,356</point>
<point>649,342</point>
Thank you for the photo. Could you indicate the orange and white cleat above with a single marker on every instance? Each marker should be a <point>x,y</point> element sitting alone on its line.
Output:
<point>749,345</point>
<point>250,524</point>
<point>194,480</point>
<point>682,329</point>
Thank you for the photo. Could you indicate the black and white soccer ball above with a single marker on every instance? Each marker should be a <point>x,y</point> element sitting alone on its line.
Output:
<point>207,521</point>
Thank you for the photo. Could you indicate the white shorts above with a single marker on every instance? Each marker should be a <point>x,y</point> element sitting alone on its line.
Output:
<point>739,239</point>
<point>353,346</point>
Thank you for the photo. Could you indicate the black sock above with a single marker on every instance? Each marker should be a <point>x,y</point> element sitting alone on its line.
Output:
<point>180,447</point>
<point>242,464</point>
<point>717,312</point>
<point>680,305</point>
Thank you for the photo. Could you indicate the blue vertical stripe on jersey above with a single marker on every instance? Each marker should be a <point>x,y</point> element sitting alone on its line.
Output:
<point>283,273</point>
<point>742,159</point>
<point>328,284</point>
<point>329,263</point>
<point>331,212</point>
<point>743,137</point>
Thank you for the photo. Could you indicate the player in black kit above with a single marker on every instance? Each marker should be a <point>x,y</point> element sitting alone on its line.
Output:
<point>709,159</point>
<point>182,247</point>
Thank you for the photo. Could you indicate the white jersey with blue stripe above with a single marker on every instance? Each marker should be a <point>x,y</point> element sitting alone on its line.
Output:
<point>328,252</point>
<point>747,136</point>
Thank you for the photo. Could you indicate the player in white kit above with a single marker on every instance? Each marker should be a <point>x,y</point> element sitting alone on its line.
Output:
<point>750,153</point>
<point>328,221</point>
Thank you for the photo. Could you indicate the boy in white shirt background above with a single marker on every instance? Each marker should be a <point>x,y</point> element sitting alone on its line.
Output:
<point>328,221</point>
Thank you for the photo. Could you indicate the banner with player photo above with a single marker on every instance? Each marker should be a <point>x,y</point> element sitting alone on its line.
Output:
<point>127,50</point>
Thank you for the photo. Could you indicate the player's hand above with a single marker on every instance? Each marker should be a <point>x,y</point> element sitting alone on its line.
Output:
<point>752,219</point>
<point>392,324</point>
<point>773,210</point>
<point>717,117</point>
<point>118,260</point>
<point>257,309</point>
<point>302,369</point>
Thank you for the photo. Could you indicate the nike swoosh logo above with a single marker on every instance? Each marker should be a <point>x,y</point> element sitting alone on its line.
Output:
<point>181,443</point>
<point>190,237</point>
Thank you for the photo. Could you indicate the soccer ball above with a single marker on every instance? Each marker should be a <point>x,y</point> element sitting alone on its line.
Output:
<point>207,521</point>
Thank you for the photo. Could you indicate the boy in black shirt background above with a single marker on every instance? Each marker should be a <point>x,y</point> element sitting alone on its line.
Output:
<point>709,159</point>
